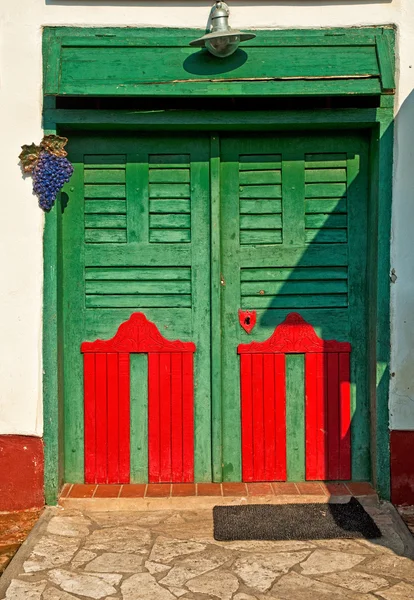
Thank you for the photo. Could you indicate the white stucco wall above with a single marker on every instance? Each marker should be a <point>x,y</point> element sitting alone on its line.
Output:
<point>22,221</point>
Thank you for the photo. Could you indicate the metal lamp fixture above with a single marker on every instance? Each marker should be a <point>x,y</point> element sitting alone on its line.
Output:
<point>221,40</point>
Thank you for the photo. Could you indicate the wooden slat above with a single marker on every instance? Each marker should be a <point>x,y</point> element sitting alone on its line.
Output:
<point>137,273</point>
<point>269,417</point>
<point>105,207</point>
<point>103,221</point>
<point>101,473</point>
<point>293,273</point>
<point>113,418</point>
<point>168,161</point>
<point>345,417</point>
<point>169,175</point>
<point>170,235</point>
<point>333,415</point>
<point>170,221</point>
<point>122,287</point>
<point>324,205</point>
<point>323,161</point>
<point>188,417</point>
<point>260,177</point>
<point>325,190</point>
<point>154,418</point>
<point>247,416</point>
<point>321,446</point>
<point>260,162</point>
<point>176,417</point>
<point>165,416</point>
<point>260,191</point>
<point>258,207</point>
<point>258,417</point>
<point>249,222</point>
<point>104,191</point>
<point>331,255</point>
<point>292,302</point>
<point>327,220</point>
<point>90,416</point>
<point>105,236</point>
<point>261,236</point>
<point>124,417</point>
<point>280,416</point>
<point>273,288</point>
<point>177,206</point>
<point>137,301</point>
<point>326,236</point>
<point>169,190</point>
<point>103,161</point>
<point>104,176</point>
<point>325,175</point>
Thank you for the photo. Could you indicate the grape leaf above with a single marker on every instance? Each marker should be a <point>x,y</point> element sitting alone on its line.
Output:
<point>54,144</point>
<point>28,157</point>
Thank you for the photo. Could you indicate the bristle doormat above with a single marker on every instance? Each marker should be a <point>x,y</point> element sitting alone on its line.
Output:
<point>293,522</point>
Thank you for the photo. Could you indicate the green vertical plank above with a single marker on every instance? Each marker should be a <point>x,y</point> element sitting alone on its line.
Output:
<point>200,289</point>
<point>139,418</point>
<point>293,199</point>
<point>230,257</point>
<point>137,198</point>
<point>73,313</point>
<point>216,375</point>
<point>384,170</point>
<point>295,417</point>
<point>357,196</point>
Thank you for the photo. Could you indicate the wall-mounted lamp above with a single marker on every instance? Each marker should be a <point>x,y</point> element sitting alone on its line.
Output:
<point>221,40</point>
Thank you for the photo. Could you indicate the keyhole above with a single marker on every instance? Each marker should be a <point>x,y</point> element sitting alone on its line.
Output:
<point>247,321</point>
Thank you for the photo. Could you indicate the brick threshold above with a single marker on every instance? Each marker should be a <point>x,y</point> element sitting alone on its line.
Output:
<point>155,496</point>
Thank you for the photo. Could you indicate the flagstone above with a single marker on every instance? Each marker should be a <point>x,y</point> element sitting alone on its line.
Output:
<point>82,557</point>
<point>119,539</point>
<point>23,590</point>
<point>114,562</point>
<point>84,585</point>
<point>177,591</point>
<point>395,566</point>
<point>259,571</point>
<point>327,561</point>
<point>298,587</point>
<point>269,546</point>
<point>144,586</point>
<point>339,545</point>
<point>154,568</point>
<point>355,581</point>
<point>127,519</point>
<point>196,564</point>
<point>50,552</point>
<point>219,584</point>
<point>165,549</point>
<point>55,594</point>
<point>69,526</point>
<point>400,591</point>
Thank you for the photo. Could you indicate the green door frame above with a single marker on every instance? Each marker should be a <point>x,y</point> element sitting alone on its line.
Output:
<point>377,121</point>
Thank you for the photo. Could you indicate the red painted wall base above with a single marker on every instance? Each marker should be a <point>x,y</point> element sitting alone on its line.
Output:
<point>21,472</point>
<point>402,467</point>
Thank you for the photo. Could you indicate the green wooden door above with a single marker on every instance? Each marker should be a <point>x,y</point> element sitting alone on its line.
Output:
<point>294,238</point>
<point>136,237</point>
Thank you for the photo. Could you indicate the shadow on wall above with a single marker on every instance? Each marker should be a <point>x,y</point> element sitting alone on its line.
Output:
<point>194,3</point>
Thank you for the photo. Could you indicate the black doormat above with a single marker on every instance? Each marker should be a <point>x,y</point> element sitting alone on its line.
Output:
<point>293,522</point>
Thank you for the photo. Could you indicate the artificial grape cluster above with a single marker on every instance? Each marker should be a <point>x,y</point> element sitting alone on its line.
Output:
<point>49,175</point>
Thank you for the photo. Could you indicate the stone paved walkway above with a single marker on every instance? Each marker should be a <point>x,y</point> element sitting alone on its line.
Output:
<point>164,555</point>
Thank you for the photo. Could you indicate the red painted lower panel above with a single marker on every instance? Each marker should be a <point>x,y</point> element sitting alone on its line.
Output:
<point>21,472</point>
<point>402,467</point>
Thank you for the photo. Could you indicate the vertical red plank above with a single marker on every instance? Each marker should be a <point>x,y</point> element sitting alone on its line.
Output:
<point>311,419</point>
<point>176,417</point>
<point>90,420</point>
<point>321,437</point>
<point>113,417</point>
<point>269,417</point>
<point>333,415</point>
<point>280,409</point>
<point>188,416</point>
<point>101,418</point>
<point>124,417</point>
<point>258,424</point>
<point>165,416</point>
<point>154,417</point>
<point>246,416</point>
<point>345,416</point>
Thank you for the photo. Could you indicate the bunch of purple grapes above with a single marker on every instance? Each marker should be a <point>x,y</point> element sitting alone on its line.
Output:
<point>49,175</point>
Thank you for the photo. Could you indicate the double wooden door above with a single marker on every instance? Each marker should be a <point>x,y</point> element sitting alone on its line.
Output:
<point>165,226</point>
